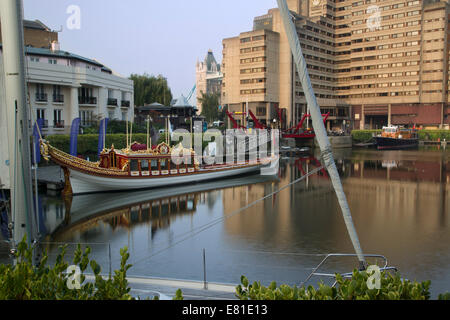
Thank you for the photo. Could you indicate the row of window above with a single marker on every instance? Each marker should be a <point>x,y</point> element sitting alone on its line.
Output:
<point>253,49</point>
<point>250,81</point>
<point>252,60</point>
<point>253,70</point>
<point>54,61</point>
<point>254,38</point>
<point>160,166</point>
<point>379,94</point>
<point>253,91</point>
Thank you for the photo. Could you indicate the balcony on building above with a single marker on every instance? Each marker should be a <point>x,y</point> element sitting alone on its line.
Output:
<point>58,98</point>
<point>58,124</point>
<point>41,97</point>
<point>125,104</point>
<point>112,102</point>
<point>87,100</point>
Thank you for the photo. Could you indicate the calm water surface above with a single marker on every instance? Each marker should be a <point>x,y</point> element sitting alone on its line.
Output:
<point>400,202</point>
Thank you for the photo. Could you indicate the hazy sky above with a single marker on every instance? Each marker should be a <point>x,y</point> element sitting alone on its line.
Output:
<point>157,37</point>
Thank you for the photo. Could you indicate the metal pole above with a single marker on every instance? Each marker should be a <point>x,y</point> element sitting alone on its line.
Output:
<point>127,130</point>
<point>11,13</point>
<point>319,127</point>
<point>205,284</point>
<point>109,254</point>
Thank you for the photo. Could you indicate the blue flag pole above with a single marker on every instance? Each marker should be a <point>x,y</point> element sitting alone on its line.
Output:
<point>102,135</point>
<point>74,136</point>
<point>36,137</point>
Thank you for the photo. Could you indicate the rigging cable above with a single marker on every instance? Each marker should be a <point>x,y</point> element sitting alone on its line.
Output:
<point>221,219</point>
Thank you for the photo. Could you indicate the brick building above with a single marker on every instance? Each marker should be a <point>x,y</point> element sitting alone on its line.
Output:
<point>371,63</point>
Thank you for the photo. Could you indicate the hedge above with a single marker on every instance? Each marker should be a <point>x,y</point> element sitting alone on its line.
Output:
<point>364,135</point>
<point>392,287</point>
<point>434,135</point>
<point>424,135</point>
<point>88,143</point>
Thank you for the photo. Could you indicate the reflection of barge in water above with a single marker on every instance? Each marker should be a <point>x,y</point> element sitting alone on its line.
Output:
<point>83,211</point>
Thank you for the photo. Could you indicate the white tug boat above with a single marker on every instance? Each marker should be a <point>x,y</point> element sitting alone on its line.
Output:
<point>130,169</point>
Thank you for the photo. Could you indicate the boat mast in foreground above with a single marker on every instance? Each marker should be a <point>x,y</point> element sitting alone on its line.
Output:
<point>319,128</point>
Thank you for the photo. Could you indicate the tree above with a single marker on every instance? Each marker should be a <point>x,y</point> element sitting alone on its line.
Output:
<point>210,106</point>
<point>149,89</point>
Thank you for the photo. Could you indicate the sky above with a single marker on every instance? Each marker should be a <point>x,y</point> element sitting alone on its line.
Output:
<point>164,37</point>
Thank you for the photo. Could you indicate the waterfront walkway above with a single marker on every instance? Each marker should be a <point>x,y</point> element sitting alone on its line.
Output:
<point>51,176</point>
<point>166,288</point>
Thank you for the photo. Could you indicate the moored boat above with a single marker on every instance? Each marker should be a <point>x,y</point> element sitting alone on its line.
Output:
<point>126,169</point>
<point>394,137</point>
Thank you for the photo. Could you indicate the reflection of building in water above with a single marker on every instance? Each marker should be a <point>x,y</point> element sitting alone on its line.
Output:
<point>52,214</point>
<point>276,218</point>
<point>412,196</point>
<point>416,187</point>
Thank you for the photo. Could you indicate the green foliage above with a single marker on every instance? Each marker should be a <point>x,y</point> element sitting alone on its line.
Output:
<point>434,135</point>
<point>424,135</point>
<point>25,281</point>
<point>392,288</point>
<point>88,143</point>
<point>364,135</point>
<point>149,89</point>
<point>210,106</point>
<point>178,295</point>
<point>116,127</point>
<point>444,296</point>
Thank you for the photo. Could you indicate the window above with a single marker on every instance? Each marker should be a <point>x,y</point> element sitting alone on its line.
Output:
<point>34,59</point>
<point>154,165</point>
<point>40,114</point>
<point>164,164</point>
<point>258,38</point>
<point>144,165</point>
<point>39,88</point>
<point>86,117</point>
<point>261,111</point>
<point>52,61</point>
<point>41,96</point>
<point>56,90</point>
<point>58,122</point>
<point>134,166</point>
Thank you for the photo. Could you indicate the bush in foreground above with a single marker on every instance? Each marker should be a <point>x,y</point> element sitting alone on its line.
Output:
<point>392,288</point>
<point>25,281</point>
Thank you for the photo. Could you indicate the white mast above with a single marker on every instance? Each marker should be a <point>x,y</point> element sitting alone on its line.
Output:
<point>319,127</point>
<point>11,13</point>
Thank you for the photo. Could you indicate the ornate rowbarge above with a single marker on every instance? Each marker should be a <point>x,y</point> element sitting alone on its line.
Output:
<point>126,169</point>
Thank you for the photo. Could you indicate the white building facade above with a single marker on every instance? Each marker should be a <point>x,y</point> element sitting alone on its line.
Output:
<point>63,86</point>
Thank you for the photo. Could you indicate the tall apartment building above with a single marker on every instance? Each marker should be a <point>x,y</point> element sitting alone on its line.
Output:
<point>371,63</point>
<point>208,77</point>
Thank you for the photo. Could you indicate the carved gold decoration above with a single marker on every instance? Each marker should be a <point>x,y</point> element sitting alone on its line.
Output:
<point>67,192</point>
